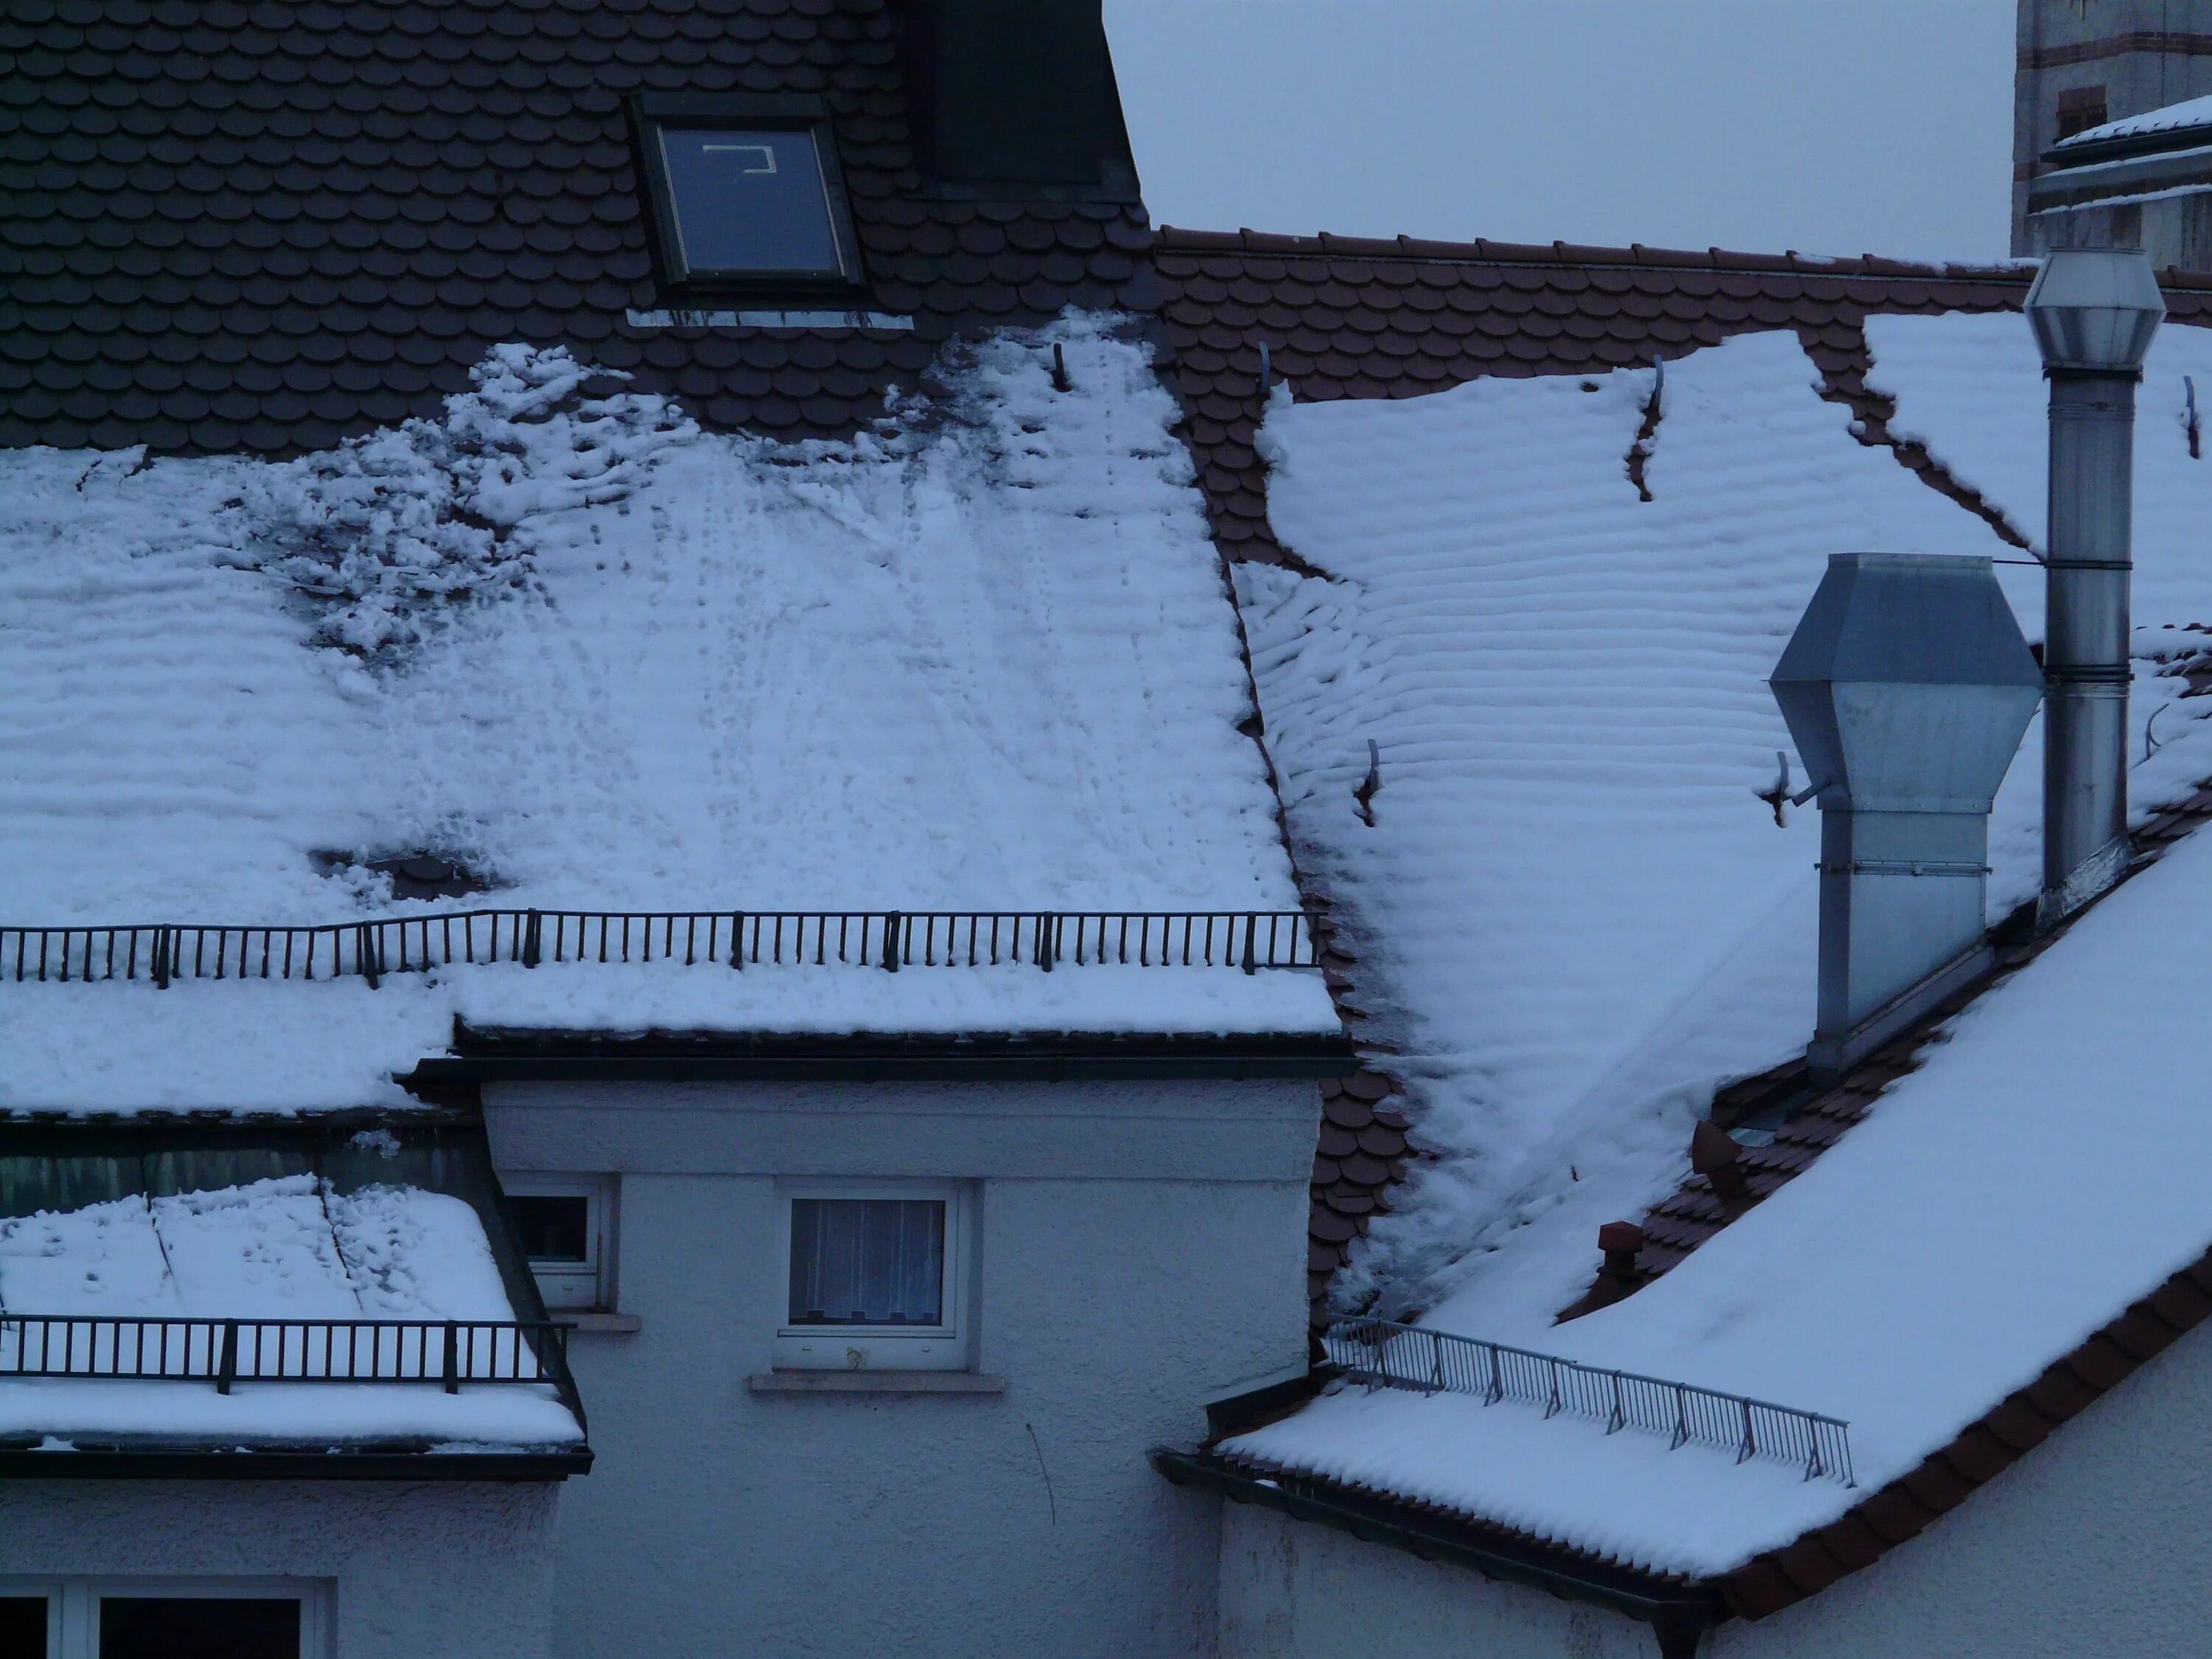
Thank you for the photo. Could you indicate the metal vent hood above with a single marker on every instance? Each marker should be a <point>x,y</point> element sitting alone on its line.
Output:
<point>1907,687</point>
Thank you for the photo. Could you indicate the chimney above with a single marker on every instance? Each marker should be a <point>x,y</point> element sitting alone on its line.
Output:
<point>2093,311</point>
<point>1014,92</point>
<point>1906,686</point>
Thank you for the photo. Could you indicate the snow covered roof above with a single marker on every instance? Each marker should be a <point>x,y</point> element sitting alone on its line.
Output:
<point>980,659</point>
<point>2172,126</point>
<point>263,226</point>
<point>186,1290</point>
<point>1572,917</point>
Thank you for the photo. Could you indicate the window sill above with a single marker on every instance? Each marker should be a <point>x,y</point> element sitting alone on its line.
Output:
<point>605,1324</point>
<point>874,1383</point>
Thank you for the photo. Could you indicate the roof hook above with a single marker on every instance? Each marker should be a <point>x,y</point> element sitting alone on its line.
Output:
<point>1267,370</point>
<point>2196,433</point>
<point>1365,795</point>
<point>1059,380</point>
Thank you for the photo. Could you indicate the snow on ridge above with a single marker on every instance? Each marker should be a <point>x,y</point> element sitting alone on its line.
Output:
<point>979,658</point>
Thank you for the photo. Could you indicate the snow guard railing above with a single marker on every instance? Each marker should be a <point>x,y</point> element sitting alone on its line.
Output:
<point>1383,1355</point>
<point>223,1351</point>
<point>889,940</point>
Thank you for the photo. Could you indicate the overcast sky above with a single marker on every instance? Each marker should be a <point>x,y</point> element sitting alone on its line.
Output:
<point>1831,126</point>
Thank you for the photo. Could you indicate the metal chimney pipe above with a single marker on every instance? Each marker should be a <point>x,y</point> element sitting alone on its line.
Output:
<point>1906,686</point>
<point>2093,311</point>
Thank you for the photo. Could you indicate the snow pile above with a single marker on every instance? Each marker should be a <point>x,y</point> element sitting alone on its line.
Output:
<point>1880,1287</point>
<point>390,528</point>
<point>287,1248</point>
<point>981,658</point>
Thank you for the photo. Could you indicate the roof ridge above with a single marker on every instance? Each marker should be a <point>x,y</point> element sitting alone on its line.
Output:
<point>1482,250</point>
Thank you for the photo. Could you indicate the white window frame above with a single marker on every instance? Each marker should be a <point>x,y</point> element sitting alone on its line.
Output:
<point>580,1287</point>
<point>75,1633</point>
<point>943,1348</point>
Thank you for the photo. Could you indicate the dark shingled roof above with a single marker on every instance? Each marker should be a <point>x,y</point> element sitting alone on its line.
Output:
<point>267,224</point>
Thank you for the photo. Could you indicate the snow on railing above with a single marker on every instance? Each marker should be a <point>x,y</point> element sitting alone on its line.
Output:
<point>1385,1354</point>
<point>892,939</point>
<point>448,1352</point>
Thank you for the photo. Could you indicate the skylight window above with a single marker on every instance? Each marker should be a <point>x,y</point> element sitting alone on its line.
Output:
<point>746,193</point>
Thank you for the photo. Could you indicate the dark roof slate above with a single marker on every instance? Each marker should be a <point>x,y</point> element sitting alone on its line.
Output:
<point>264,225</point>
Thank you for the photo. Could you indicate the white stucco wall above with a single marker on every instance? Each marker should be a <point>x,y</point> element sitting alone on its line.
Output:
<point>462,1570</point>
<point>2100,1541</point>
<point>1141,1249</point>
<point>1295,1590</point>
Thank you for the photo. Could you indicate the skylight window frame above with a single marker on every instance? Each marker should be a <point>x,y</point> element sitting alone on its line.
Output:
<point>653,113</point>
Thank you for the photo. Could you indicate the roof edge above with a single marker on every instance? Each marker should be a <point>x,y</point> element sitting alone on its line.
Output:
<point>290,1463</point>
<point>1984,1450</point>
<point>506,1055</point>
<point>1178,239</point>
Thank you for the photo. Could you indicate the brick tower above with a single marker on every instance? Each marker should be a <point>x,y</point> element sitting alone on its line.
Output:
<point>2083,62</point>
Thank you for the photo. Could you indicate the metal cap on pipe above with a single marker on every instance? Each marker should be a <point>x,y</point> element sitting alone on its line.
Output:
<point>1907,685</point>
<point>2095,309</point>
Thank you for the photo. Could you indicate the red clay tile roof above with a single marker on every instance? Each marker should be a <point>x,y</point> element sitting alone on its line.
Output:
<point>1350,317</point>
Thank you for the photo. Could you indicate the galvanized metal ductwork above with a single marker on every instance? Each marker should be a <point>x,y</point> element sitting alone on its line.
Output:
<point>1906,686</point>
<point>2094,311</point>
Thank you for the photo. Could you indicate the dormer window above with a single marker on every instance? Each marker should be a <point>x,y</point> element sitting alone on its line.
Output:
<point>746,193</point>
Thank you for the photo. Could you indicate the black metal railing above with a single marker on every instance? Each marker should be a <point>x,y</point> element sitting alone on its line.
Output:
<point>892,939</point>
<point>223,1351</point>
<point>1385,1354</point>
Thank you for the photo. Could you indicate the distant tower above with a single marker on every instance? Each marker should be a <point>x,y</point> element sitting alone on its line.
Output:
<point>2082,64</point>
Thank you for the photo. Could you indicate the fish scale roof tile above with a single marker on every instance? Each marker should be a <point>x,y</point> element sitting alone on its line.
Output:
<point>1350,317</point>
<point>479,155</point>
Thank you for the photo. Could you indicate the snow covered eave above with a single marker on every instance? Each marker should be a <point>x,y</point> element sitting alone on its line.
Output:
<point>512,1055</point>
<point>159,1462</point>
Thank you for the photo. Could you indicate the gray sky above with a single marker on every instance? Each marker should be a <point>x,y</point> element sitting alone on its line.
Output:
<point>1830,126</point>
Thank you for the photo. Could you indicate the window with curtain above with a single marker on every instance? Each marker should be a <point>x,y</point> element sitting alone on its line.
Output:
<point>867,1261</point>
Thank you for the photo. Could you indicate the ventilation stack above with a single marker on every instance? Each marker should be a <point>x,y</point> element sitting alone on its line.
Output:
<point>2093,311</point>
<point>1906,686</point>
